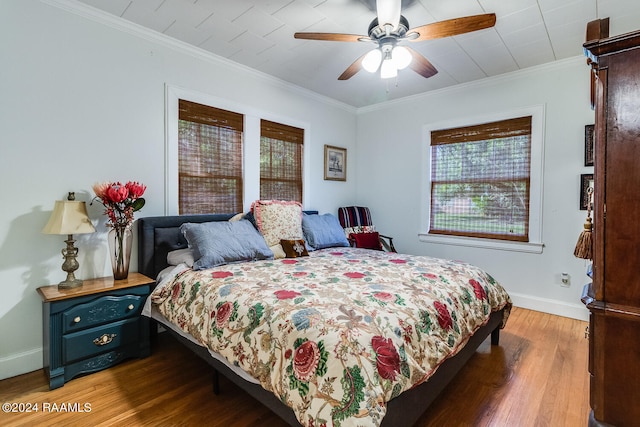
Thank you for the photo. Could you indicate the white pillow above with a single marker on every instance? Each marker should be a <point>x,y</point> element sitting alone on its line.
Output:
<point>180,256</point>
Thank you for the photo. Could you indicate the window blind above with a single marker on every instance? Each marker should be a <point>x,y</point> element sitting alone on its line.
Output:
<point>209,159</point>
<point>480,180</point>
<point>281,151</point>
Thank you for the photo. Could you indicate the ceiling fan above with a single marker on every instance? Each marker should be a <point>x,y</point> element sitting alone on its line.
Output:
<point>389,30</point>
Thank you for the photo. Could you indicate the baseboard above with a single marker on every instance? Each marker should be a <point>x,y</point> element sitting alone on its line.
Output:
<point>20,363</point>
<point>573,311</point>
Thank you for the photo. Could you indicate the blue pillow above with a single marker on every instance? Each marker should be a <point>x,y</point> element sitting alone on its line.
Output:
<point>223,242</point>
<point>323,231</point>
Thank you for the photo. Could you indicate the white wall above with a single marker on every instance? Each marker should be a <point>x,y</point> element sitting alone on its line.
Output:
<point>82,102</point>
<point>390,165</point>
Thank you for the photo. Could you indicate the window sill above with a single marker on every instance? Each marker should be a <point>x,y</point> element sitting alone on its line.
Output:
<point>505,245</point>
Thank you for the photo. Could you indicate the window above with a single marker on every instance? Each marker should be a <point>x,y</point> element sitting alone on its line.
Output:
<point>209,159</point>
<point>481,179</point>
<point>281,149</point>
<point>213,154</point>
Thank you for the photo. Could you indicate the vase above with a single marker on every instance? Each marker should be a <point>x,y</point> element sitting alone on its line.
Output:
<point>120,239</point>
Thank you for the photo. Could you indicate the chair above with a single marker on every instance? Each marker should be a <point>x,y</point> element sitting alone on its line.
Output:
<point>360,231</point>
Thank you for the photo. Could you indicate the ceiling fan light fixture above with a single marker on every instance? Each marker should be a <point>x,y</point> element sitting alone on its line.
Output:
<point>401,57</point>
<point>371,61</point>
<point>388,69</point>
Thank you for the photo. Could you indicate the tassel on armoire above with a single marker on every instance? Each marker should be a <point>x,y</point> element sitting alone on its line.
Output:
<point>584,247</point>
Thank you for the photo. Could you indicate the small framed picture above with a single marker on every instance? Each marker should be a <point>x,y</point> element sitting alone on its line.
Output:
<point>586,190</point>
<point>588,145</point>
<point>335,163</point>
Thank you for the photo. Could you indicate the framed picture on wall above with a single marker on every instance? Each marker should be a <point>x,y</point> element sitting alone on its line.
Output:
<point>586,189</point>
<point>335,163</point>
<point>588,145</point>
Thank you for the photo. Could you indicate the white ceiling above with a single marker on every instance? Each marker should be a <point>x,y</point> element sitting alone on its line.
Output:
<point>259,34</point>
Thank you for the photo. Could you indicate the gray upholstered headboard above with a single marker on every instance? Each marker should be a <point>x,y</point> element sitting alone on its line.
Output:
<point>158,235</point>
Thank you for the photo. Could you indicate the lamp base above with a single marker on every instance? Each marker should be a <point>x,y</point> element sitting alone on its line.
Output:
<point>70,265</point>
<point>68,284</point>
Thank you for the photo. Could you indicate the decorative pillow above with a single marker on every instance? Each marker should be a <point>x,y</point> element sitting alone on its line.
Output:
<point>237,217</point>
<point>367,240</point>
<point>278,251</point>
<point>222,242</point>
<point>180,256</point>
<point>323,231</point>
<point>359,229</point>
<point>294,248</point>
<point>278,219</point>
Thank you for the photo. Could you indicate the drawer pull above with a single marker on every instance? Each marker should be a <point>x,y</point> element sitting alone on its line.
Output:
<point>130,307</point>
<point>76,319</point>
<point>104,339</point>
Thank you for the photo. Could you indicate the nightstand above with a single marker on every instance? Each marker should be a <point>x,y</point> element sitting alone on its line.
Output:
<point>95,326</point>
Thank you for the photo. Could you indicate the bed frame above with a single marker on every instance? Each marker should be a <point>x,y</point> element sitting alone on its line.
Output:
<point>157,236</point>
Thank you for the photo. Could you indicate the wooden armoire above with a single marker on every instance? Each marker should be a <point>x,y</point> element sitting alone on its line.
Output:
<point>613,297</point>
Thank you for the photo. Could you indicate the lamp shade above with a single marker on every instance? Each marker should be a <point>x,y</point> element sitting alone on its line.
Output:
<point>371,61</point>
<point>69,217</point>
<point>401,57</point>
<point>388,69</point>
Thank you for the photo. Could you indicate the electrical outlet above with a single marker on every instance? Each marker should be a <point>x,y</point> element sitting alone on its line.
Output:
<point>565,280</point>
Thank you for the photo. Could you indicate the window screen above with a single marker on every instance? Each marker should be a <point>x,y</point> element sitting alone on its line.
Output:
<point>480,180</point>
<point>209,159</point>
<point>281,149</point>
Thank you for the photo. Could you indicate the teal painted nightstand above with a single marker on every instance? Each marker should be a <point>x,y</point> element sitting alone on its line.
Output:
<point>93,327</point>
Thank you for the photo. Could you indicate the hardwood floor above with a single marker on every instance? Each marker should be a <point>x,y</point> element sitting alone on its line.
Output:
<point>537,376</point>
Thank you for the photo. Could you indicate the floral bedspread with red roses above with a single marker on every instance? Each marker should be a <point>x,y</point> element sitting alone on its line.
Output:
<point>337,334</point>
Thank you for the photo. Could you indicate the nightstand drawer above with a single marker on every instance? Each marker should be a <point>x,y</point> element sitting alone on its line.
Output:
<point>89,342</point>
<point>101,310</point>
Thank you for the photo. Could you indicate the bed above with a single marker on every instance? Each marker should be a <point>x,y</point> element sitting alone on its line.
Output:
<point>348,355</point>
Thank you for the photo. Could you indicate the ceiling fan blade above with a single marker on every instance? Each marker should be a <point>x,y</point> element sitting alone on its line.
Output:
<point>332,37</point>
<point>352,69</point>
<point>421,65</point>
<point>453,27</point>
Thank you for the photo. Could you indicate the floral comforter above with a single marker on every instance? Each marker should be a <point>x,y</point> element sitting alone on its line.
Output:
<point>337,334</point>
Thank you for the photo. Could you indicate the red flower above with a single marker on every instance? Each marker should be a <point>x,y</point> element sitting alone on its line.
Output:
<point>135,189</point>
<point>287,354</point>
<point>175,292</point>
<point>384,296</point>
<point>387,358</point>
<point>354,275</point>
<point>117,193</point>
<point>221,274</point>
<point>285,294</point>
<point>223,314</point>
<point>289,261</point>
<point>120,201</point>
<point>299,273</point>
<point>478,289</point>
<point>444,317</point>
<point>430,276</point>
<point>398,261</point>
<point>305,360</point>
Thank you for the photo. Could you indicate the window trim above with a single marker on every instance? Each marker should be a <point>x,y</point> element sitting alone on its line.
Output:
<point>534,245</point>
<point>251,144</point>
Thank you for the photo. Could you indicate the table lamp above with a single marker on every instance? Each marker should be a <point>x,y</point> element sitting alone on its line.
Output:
<point>69,217</point>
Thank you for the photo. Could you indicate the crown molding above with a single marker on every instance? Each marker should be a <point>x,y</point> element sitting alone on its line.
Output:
<point>89,12</point>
